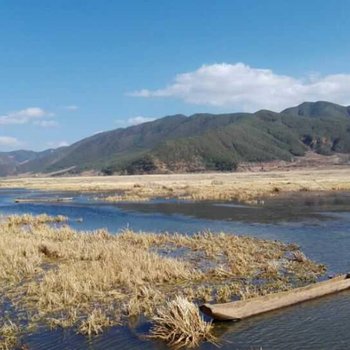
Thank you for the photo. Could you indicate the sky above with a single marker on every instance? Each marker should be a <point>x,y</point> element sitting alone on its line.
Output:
<point>73,68</point>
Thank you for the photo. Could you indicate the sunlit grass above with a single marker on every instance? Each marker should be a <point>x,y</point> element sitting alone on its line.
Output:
<point>247,187</point>
<point>9,332</point>
<point>94,280</point>
<point>180,324</point>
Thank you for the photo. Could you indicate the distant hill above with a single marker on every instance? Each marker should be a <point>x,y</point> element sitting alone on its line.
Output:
<point>197,143</point>
<point>9,161</point>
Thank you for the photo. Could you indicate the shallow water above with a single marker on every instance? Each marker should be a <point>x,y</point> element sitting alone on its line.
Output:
<point>319,223</point>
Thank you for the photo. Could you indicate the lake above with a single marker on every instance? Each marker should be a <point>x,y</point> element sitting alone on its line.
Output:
<point>319,223</point>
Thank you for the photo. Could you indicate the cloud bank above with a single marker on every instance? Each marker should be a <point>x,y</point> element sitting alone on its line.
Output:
<point>46,123</point>
<point>30,115</point>
<point>139,120</point>
<point>245,88</point>
<point>8,141</point>
<point>57,144</point>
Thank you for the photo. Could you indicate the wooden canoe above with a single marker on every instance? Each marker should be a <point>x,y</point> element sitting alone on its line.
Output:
<point>241,309</point>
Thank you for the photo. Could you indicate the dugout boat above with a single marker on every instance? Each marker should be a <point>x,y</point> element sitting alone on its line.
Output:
<point>241,309</point>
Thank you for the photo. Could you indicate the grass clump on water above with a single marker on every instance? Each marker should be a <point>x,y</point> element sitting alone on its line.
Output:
<point>180,324</point>
<point>93,280</point>
<point>9,332</point>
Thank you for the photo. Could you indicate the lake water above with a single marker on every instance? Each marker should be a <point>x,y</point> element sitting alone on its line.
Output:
<point>319,223</point>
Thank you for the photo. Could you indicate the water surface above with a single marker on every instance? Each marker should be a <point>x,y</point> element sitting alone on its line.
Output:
<point>319,223</point>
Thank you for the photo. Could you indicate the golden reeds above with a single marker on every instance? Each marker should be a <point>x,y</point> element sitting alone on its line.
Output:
<point>95,323</point>
<point>86,280</point>
<point>9,332</point>
<point>28,219</point>
<point>180,324</point>
<point>241,186</point>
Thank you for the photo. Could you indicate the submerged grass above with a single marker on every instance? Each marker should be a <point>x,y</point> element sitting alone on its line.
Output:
<point>95,323</point>
<point>93,280</point>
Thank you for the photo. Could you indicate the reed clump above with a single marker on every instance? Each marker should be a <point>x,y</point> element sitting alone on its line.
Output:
<point>28,219</point>
<point>180,324</point>
<point>9,333</point>
<point>95,323</point>
<point>93,280</point>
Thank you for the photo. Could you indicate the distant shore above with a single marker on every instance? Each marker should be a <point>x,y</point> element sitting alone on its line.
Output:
<point>241,186</point>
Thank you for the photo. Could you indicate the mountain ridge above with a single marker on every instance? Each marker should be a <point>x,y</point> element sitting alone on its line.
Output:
<point>199,142</point>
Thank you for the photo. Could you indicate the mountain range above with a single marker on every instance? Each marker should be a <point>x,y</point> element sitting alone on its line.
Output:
<point>200,142</point>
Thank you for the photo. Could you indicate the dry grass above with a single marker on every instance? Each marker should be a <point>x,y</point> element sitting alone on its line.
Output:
<point>95,323</point>
<point>86,280</point>
<point>9,332</point>
<point>179,324</point>
<point>247,187</point>
<point>28,219</point>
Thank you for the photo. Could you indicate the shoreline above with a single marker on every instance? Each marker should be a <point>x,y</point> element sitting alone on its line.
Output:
<point>248,187</point>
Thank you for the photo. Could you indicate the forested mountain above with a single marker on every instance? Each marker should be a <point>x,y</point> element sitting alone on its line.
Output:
<point>200,142</point>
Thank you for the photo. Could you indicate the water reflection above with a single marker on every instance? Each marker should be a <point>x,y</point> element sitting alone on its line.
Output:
<point>296,207</point>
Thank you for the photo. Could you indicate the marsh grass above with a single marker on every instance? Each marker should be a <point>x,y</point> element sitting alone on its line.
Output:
<point>28,219</point>
<point>94,280</point>
<point>9,332</point>
<point>247,187</point>
<point>95,323</point>
<point>250,188</point>
<point>180,324</point>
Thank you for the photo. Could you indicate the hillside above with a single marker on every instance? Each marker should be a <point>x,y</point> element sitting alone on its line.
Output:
<point>197,143</point>
<point>9,161</point>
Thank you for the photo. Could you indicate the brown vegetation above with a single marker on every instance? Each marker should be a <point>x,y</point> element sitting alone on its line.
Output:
<point>242,186</point>
<point>93,280</point>
<point>9,332</point>
<point>179,324</point>
<point>27,219</point>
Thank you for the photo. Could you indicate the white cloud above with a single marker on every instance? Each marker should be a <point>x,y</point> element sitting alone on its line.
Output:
<point>46,123</point>
<point>57,144</point>
<point>245,88</point>
<point>9,141</point>
<point>138,120</point>
<point>132,121</point>
<point>63,144</point>
<point>24,116</point>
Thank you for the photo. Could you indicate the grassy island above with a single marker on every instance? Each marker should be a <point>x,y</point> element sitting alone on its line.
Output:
<point>55,276</point>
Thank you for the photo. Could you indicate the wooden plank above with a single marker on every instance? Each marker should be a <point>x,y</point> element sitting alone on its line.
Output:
<point>246,308</point>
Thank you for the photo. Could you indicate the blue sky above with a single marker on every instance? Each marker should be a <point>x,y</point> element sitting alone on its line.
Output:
<point>71,68</point>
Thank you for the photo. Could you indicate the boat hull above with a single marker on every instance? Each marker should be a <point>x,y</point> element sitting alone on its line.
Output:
<point>246,308</point>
